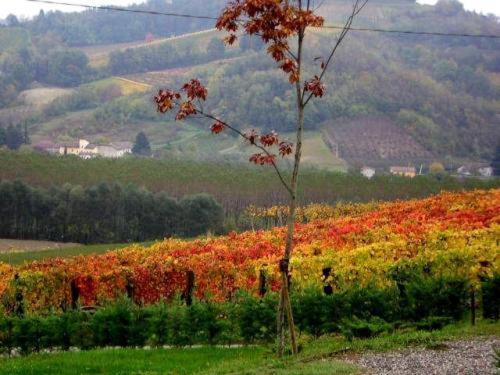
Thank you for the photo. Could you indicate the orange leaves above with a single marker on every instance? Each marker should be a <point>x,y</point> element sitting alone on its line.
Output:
<point>455,232</point>
<point>274,21</point>
<point>251,136</point>
<point>185,109</point>
<point>285,148</point>
<point>229,40</point>
<point>268,140</point>
<point>315,86</point>
<point>195,90</point>
<point>217,127</point>
<point>166,100</point>
<point>263,159</point>
<point>277,51</point>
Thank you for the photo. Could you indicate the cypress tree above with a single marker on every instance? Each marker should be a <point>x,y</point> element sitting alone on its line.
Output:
<point>141,146</point>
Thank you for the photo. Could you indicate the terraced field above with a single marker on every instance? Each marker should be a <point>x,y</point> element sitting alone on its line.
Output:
<point>99,55</point>
<point>126,85</point>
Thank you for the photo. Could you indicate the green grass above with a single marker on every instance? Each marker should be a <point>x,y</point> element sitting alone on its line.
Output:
<point>250,360</point>
<point>329,345</point>
<point>318,357</point>
<point>29,256</point>
<point>130,361</point>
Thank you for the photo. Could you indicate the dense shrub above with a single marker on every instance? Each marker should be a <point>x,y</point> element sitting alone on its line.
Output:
<point>111,324</point>
<point>422,295</point>
<point>355,312</point>
<point>257,318</point>
<point>360,328</point>
<point>433,323</point>
<point>437,296</point>
<point>491,298</point>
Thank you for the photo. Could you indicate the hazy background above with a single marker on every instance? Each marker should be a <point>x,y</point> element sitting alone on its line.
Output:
<point>26,8</point>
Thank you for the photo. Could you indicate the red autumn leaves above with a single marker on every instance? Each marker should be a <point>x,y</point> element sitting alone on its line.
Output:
<point>183,100</point>
<point>275,21</point>
<point>315,87</point>
<point>166,100</point>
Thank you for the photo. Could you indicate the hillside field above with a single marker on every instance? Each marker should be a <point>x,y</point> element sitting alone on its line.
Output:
<point>359,249</point>
<point>235,186</point>
<point>379,278</point>
<point>22,251</point>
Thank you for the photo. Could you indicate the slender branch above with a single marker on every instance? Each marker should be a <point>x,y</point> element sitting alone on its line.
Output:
<point>357,8</point>
<point>244,136</point>
<point>319,5</point>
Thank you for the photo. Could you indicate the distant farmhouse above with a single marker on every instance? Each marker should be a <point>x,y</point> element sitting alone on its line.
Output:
<point>368,172</point>
<point>87,150</point>
<point>404,171</point>
<point>485,171</point>
<point>471,169</point>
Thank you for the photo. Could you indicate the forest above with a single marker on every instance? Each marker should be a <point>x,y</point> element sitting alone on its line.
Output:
<point>104,213</point>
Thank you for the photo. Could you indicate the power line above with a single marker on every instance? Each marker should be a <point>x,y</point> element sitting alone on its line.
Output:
<point>118,9</point>
<point>430,33</point>
<point>362,29</point>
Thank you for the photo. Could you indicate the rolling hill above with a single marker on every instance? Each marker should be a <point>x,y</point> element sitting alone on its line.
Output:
<point>391,99</point>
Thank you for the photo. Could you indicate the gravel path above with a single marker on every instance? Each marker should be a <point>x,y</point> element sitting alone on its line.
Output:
<point>465,357</point>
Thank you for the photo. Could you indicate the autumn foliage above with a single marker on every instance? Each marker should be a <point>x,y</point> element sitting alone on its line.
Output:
<point>452,234</point>
<point>276,22</point>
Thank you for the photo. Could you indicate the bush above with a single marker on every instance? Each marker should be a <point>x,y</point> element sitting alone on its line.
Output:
<point>359,312</point>
<point>111,324</point>
<point>311,312</point>
<point>360,328</point>
<point>491,298</point>
<point>437,296</point>
<point>157,324</point>
<point>421,295</point>
<point>6,334</point>
<point>371,301</point>
<point>433,323</point>
<point>179,326</point>
<point>257,318</point>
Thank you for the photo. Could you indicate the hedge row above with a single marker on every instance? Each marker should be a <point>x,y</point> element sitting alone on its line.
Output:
<point>426,303</point>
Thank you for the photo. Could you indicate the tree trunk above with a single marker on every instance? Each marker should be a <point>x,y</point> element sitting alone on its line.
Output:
<point>285,303</point>
<point>280,325</point>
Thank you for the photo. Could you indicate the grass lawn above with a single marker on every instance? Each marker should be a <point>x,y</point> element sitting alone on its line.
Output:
<point>318,356</point>
<point>29,256</point>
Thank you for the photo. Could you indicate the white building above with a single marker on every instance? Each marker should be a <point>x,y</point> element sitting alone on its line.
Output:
<point>87,150</point>
<point>464,171</point>
<point>486,171</point>
<point>368,172</point>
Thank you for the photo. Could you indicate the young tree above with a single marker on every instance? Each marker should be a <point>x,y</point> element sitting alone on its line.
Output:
<point>141,145</point>
<point>281,25</point>
<point>3,137</point>
<point>14,137</point>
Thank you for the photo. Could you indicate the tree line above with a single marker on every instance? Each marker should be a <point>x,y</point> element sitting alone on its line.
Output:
<point>94,27</point>
<point>103,213</point>
<point>234,186</point>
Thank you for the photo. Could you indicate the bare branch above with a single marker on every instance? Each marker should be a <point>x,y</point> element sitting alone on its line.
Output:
<point>319,5</point>
<point>244,136</point>
<point>357,8</point>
